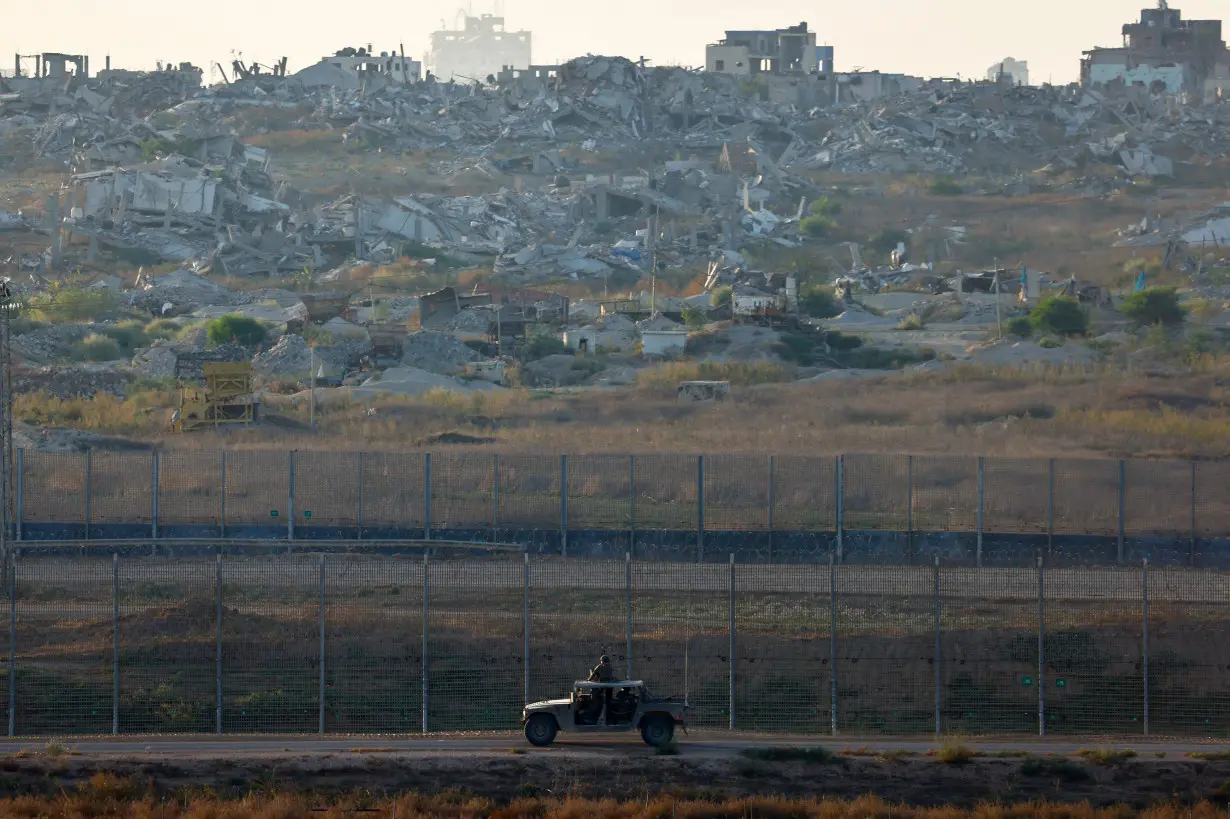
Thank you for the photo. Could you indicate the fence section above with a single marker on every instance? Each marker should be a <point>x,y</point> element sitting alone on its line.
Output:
<point>364,643</point>
<point>696,508</point>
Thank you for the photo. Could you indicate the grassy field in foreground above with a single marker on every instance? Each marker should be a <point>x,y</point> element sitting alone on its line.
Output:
<point>109,797</point>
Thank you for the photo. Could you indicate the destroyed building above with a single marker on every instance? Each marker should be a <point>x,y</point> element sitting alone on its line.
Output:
<point>1163,52</point>
<point>482,48</point>
<point>1009,70</point>
<point>51,64</point>
<point>791,50</point>
<point>355,68</point>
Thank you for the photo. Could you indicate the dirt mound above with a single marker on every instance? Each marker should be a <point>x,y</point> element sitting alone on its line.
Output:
<point>437,352</point>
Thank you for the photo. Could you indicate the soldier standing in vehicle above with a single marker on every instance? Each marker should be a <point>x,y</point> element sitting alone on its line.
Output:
<point>603,671</point>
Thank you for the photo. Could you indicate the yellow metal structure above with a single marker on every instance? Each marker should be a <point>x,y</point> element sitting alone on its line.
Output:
<point>226,399</point>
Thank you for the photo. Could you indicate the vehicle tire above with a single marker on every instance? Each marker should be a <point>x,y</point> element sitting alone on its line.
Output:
<point>657,730</point>
<point>540,730</point>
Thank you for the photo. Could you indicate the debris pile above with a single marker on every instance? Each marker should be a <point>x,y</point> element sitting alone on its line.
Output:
<point>438,352</point>
<point>67,383</point>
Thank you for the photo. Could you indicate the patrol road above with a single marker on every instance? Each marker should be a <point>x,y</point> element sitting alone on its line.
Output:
<point>696,744</point>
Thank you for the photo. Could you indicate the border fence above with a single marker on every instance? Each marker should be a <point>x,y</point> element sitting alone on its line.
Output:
<point>368,643</point>
<point>695,508</point>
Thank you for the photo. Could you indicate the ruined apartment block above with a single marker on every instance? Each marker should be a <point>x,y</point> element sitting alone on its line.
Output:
<point>482,48</point>
<point>790,50</point>
<point>1010,71</point>
<point>354,68</point>
<point>1164,53</point>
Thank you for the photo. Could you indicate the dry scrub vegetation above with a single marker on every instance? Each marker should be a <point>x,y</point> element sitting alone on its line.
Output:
<point>1008,413</point>
<point>111,797</point>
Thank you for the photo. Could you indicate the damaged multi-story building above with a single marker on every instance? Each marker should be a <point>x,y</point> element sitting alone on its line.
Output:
<point>790,50</point>
<point>1165,54</point>
<point>353,68</point>
<point>481,48</point>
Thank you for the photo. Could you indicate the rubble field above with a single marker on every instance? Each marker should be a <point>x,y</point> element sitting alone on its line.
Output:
<point>563,251</point>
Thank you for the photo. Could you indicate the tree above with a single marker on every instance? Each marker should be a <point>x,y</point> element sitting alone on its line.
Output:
<point>817,227</point>
<point>721,296</point>
<point>1154,305</point>
<point>695,317</point>
<point>241,330</point>
<point>1061,316</point>
<point>819,302</point>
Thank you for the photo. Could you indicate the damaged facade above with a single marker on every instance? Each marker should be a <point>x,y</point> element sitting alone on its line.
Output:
<point>1163,53</point>
<point>481,48</point>
<point>354,68</point>
<point>791,50</point>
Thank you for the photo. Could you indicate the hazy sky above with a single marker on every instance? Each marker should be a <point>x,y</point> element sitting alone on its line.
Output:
<point>933,38</point>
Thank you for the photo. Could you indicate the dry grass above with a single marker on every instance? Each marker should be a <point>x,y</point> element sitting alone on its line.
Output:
<point>1105,756</point>
<point>1019,414</point>
<point>111,797</point>
<point>954,753</point>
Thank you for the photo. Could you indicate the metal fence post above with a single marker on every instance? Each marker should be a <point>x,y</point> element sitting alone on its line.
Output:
<point>841,503</point>
<point>525,626</point>
<point>700,508</point>
<point>832,646</point>
<point>13,645</point>
<point>495,494</point>
<point>218,648</point>
<point>89,478</point>
<point>222,497</point>
<point>359,516</point>
<point>938,675</point>
<point>426,501</point>
<point>563,504</point>
<point>1145,640</point>
<point>1122,512</point>
<point>632,504</point>
<point>627,613</point>
<point>1041,652</point>
<point>154,500</point>
<point>982,472</point>
<point>771,502</point>
<point>426,664</point>
<point>909,503</point>
<point>115,643</point>
<point>290,500</point>
<point>321,727</point>
<point>732,641</point>
<point>21,493</point>
<point>1050,504</point>
<point>1191,556</point>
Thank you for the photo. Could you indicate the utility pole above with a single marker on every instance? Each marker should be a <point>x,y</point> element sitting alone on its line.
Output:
<point>8,307</point>
<point>999,323</point>
<point>653,263</point>
<point>312,383</point>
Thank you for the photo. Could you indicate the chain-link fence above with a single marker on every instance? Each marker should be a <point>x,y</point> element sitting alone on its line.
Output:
<point>369,643</point>
<point>870,509</point>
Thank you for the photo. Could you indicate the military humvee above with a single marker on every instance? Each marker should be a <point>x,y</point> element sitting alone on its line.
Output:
<point>595,707</point>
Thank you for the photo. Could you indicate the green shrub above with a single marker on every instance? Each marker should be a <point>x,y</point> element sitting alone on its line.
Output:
<point>913,321</point>
<point>796,349</point>
<point>695,317</point>
<point>843,342</point>
<point>235,328</point>
<point>73,304</point>
<point>943,186</point>
<point>817,227</point>
<point>886,240</point>
<point>1154,305</point>
<point>721,296</point>
<point>819,301</point>
<point>97,348</point>
<point>1061,316</point>
<point>128,334</point>
<point>824,207</point>
<point>162,328</point>
<point>543,346</point>
<point>1018,326</point>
